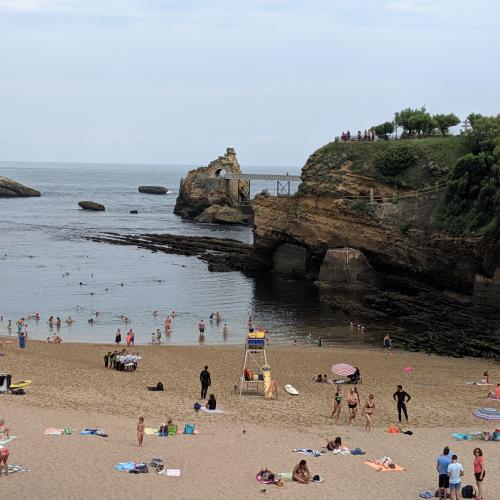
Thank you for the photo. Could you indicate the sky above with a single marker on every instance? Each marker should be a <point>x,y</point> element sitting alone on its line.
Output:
<point>177,81</point>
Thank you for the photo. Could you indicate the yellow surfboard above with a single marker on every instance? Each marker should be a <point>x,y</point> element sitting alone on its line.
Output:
<point>21,384</point>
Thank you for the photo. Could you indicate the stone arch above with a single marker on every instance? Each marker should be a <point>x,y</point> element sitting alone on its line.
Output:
<point>220,172</point>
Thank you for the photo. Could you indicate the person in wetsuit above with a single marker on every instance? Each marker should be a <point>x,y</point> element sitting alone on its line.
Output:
<point>402,398</point>
<point>206,382</point>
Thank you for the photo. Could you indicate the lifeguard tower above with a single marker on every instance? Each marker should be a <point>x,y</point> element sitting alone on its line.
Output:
<point>256,374</point>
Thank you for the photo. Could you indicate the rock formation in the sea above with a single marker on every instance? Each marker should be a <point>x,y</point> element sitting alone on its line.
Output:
<point>206,187</point>
<point>222,215</point>
<point>153,189</point>
<point>13,189</point>
<point>91,205</point>
<point>438,282</point>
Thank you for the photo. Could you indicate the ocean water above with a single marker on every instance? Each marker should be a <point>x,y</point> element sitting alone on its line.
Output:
<point>47,266</point>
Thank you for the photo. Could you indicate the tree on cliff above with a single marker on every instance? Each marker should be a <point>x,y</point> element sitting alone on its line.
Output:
<point>415,122</point>
<point>444,122</point>
<point>384,129</point>
<point>471,203</point>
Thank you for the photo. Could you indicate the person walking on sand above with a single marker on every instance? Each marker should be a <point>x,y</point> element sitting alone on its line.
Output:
<point>337,403</point>
<point>442,469</point>
<point>140,430</point>
<point>479,472</point>
<point>205,381</point>
<point>388,344</point>
<point>22,340</point>
<point>368,410</point>
<point>352,403</point>
<point>455,473</point>
<point>402,398</point>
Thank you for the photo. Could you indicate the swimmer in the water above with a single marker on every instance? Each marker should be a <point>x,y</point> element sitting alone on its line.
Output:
<point>70,320</point>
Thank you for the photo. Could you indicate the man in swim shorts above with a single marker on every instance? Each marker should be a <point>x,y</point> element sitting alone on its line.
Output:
<point>442,469</point>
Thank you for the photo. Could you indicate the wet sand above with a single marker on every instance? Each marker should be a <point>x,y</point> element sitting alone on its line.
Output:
<point>71,388</point>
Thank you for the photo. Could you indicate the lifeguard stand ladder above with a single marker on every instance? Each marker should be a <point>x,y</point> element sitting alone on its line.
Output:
<point>255,361</point>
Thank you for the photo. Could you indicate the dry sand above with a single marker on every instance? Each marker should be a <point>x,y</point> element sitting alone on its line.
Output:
<point>71,388</point>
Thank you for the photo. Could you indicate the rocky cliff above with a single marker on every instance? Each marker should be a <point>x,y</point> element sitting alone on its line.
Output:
<point>13,189</point>
<point>207,187</point>
<point>343,201</point>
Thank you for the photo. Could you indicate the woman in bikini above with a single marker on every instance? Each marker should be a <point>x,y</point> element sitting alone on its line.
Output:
<point>337,404</point>
<point>352,403</point>
<point>368,410</point>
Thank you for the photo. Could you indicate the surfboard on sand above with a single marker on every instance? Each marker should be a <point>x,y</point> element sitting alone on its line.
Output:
<point>291,390</point>
<point>21,384</point>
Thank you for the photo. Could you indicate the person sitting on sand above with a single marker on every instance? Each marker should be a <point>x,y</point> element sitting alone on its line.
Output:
<point>325,379</point>
<point>495,394</point>
<point>301,473</point>
<point>485,379</point>
<point>318,378</point>
<point>336,444</point>
<point>211,403</point>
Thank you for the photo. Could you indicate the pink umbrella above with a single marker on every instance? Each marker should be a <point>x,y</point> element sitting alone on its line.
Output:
<point>343,369</point>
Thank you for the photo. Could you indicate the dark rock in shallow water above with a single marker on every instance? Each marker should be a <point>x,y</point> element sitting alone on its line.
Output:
<point>13,189</point>
<point>153,189</point>
<point>134,211</point>
<point>91,205</point>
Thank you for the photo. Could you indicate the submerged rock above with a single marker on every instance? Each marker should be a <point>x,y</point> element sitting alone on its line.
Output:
<point>12,189</point>
<point>91,205</point>
<point>153,189</point>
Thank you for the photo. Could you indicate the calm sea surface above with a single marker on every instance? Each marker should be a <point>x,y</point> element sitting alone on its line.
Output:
<point>43,259</point>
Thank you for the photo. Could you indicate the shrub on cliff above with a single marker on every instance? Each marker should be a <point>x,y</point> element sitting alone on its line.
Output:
<point>394,160</point>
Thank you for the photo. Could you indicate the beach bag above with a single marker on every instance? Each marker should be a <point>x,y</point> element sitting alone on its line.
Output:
<point>197,407</point>
<point>139,469</point>
<point>468,491</point>
<point>189,429</point>
<point>172,430</point>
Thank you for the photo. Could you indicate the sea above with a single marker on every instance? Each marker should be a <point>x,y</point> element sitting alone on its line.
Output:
<point>47,266</point>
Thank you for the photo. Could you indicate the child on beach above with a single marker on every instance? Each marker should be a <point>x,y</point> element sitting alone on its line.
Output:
<point>140,430</point>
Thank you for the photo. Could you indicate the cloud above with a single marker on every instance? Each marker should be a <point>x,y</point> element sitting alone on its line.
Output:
<point>413,6</point>
<point>124,8</point>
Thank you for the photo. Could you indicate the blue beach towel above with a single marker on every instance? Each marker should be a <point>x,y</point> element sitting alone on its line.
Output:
<point>125,466</point>
<point>462,437</point>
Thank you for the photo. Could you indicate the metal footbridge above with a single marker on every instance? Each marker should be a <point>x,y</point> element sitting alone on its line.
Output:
<point>283,182</point>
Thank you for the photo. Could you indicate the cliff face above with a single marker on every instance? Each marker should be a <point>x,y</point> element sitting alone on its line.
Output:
<point>13,189</point>
<point>206,186</point>
<point>342,202</point>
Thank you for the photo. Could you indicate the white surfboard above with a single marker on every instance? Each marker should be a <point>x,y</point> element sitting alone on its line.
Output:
<point>291,390</point>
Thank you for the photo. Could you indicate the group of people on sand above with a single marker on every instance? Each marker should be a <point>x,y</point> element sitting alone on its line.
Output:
<point>359,328</point>
<point>300,474</point>
<point>121,359</point>
<point>450,472</point>
<point>354,403</point>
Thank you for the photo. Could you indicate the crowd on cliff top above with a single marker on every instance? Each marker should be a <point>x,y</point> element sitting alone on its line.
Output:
<point>367,135</point>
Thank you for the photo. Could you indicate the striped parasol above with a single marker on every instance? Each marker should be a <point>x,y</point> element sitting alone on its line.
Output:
<point>487,413</point>
<point>343,369</point>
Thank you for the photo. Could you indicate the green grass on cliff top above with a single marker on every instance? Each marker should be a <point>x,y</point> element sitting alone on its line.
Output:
<point>435,156</point>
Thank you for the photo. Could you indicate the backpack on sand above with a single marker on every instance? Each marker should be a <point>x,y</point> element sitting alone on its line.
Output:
<point>468,491</point>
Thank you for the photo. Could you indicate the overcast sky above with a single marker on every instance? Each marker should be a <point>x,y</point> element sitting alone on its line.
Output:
<point>176,81</point>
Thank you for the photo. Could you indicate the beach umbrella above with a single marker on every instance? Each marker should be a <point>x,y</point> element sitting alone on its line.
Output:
<point>487,413</point>
<point>343,369</point>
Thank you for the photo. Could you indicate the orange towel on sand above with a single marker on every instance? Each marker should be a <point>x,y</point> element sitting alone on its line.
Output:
<point>384,468</point>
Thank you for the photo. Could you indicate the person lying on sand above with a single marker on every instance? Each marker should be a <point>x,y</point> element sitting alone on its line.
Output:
<point>301,473</point>
<point>267,475</point>
<point>336,444</point>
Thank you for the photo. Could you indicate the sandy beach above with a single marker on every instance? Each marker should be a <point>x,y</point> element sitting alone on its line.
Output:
<point>71,388</point>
